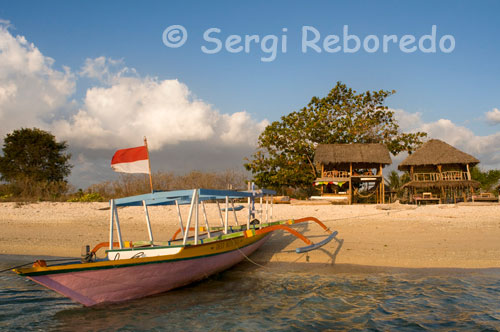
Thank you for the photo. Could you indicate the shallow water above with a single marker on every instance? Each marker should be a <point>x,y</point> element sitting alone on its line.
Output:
<point>248,298</point>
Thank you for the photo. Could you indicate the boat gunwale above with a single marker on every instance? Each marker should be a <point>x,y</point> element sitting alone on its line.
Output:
<point>110,264</point>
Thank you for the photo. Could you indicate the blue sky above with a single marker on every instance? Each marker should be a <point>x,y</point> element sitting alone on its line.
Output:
<point>454,96</point>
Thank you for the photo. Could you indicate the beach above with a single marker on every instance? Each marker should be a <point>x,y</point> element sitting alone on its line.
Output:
<point>390,235</point>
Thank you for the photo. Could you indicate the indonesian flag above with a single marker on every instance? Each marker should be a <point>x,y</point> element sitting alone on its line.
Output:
<point>133,160</point>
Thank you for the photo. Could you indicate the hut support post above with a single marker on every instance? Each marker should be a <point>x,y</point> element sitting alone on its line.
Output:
<point>349,201</point>
<point>382,187</point>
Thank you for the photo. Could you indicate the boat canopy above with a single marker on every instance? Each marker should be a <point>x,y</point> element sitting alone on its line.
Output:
<point>185,196</point>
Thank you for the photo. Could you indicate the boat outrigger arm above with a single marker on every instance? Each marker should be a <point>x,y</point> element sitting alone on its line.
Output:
<point>196,198</point>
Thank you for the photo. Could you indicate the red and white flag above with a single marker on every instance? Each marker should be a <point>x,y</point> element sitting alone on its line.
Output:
<point>133,160</point>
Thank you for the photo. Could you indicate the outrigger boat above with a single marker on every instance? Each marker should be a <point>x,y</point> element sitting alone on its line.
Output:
<point>135,269</point>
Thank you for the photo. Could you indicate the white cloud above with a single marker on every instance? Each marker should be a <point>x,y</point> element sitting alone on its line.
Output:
<point>32,91</point>
<point>105,70</point>
<point>493,116</point>
<point>5,23</point>
<point>407,121</point>
<point>485,148</point>
<point>116,112</point>
<point>240,128</point>
<point>127,108</point>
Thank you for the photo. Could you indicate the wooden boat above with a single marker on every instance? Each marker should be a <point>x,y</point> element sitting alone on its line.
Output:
<point>135,269</point>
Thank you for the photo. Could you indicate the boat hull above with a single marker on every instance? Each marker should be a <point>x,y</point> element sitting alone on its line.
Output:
<point>120,283</point>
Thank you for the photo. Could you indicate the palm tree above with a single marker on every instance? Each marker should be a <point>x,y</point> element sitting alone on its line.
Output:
<point>394,180</point>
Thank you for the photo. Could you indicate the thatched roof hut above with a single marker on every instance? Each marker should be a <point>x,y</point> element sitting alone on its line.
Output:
<point>367,154</point>
<point>344,167</point>
<point>436,152</point>
<point>439,157</point>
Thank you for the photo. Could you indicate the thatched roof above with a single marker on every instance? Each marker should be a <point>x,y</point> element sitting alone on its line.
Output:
<point>436,152</point>
<point>372,153</point>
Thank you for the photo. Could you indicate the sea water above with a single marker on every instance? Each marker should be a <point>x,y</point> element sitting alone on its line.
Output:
<point>272,298</point>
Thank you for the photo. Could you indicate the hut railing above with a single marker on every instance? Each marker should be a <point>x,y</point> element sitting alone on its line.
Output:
<point>335,174</point>
<point>426,177</point>
<point>444,176</point>
<point>454,176</point>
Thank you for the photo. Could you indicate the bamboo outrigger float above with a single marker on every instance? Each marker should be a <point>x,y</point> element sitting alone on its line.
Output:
<point>135,269</point>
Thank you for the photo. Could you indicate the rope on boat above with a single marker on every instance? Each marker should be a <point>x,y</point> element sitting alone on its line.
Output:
<point>248,258</point>
<point>47,260</point>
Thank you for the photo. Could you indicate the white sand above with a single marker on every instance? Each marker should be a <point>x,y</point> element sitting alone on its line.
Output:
<point>460,236</point>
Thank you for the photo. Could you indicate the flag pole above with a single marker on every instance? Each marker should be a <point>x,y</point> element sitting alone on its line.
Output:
<point>149,164</point>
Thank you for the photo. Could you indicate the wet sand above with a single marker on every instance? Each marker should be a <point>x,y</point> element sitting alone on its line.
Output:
<point>439,236</point>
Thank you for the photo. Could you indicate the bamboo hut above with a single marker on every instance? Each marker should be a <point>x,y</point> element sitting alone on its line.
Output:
<point>351,171</point>
<point>439,173</point>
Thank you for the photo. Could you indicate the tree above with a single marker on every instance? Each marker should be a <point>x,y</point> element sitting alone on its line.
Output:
<point>285,154</point>
<point>34,155</point>
<point>488,179</point>
<point>394,180</point>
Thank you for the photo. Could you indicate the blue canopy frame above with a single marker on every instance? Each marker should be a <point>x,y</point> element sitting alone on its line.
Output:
<point>184,197</point>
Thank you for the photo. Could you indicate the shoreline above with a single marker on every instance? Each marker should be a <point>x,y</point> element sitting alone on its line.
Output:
<point>385,236</point>
<point>297,267</point>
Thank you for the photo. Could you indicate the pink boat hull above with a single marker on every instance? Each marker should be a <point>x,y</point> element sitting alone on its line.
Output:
<point>119,284</point>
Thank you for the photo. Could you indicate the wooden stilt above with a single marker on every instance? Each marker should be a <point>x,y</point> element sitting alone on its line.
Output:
<point>350,185</point>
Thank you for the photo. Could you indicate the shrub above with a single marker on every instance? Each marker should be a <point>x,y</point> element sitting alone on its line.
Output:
<point>89,197</point>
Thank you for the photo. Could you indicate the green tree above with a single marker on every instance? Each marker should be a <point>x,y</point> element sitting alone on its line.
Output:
<point>394,180</point>
<point>34,155</point>
<point>285,154</point>
<point>488,179</point>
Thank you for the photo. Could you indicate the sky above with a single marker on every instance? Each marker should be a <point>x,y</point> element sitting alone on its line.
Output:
<point>103,74</point>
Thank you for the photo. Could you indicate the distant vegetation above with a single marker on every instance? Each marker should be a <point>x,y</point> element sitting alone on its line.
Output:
<point>135,184</point>
<point>80,196</point>
<point>396,181</point>
<point>488,179</point>
<point>34,166</point>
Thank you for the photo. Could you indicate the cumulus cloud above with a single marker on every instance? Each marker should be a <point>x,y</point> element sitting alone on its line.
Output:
<point>116,112</point>
<point>485,148</point>
<point>32,91</point>
<point>128,107</point>
<point>493,116</point>
<point>105,70</point>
